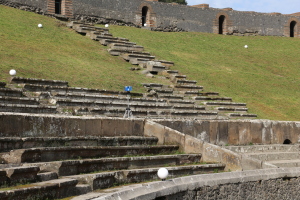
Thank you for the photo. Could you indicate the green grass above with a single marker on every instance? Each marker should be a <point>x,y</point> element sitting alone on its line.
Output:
<point>57,52</point>
<point>265,76</point>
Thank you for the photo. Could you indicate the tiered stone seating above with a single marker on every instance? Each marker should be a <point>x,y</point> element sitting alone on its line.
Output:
<point>280,155</point>
<point>71,166</point>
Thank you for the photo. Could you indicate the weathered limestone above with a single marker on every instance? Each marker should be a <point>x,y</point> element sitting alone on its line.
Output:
<point>18,100</point>
<point>45,154</point>
<point>10,143</point>
<point>11,92</point>
<point>21,80</point>
<point>76,167</point>
<point>108,179</point>
<point>19,108</point>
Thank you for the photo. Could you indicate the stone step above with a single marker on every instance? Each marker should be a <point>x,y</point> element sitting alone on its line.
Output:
<point>232,104</point>
<point>53,189</point>
<point>264,148</point>
<point>108,37</point>
<point>19,108</point>
<point>99,31</point>
<point>181,102</point>
<point>157,114</point>
<point>232,109</point>
<point>11,143</point>
<point>18,175</point>
<point>208,93</point>
<point>109,104</point>
<point>267,156</point>
<point>209,98</point>
<point>241,115</point>
<point>155,66</point>
<point>139,61</point>
<point>126,47</point>
<point>153,85</point>
<point>127,56</point>
<point>109,179</point>
<point>47,154</point>
<point>164,91</point>
<point>166,63</point>
<point>77,96</point>
<point>173,97</point>
<point>285,163</point>
<point>2,84</point>
<point>46,176</point>
<point>11,92</point>
<point>185,82</point>
<point>115,52</point>
<point>106,42</point>
<point>18,100</point>
<point>176,77</point>
<point>77,90</point>
<point>76,167</point>
<point>84,30</point>
<point>188,87</point>
<point>21,80</point>
<point>188,107</point>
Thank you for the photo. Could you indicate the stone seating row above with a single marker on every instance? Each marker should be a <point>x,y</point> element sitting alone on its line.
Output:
<point>280,155</point>
<point>27,108</point>
<point>46,154</point>
<point>114,178</point>
<point>11,92</point>
<point>22,80</point>
<point>85,166</point>
<point>11,143</point>
<point>18,100</point>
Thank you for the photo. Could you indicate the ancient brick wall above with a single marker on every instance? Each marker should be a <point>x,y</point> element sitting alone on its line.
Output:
<point>155,14</point>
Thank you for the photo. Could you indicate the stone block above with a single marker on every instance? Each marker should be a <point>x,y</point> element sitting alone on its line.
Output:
<point>22,174</point>
<point>245,137</point>
<point>256,131</point>
<point>193,145</point>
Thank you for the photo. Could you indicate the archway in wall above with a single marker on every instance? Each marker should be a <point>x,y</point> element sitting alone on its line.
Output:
<point>292,28</point>
<point>221,24</point>
<point>58,7</point>
<point>144,15</point>
<point>287,141</point>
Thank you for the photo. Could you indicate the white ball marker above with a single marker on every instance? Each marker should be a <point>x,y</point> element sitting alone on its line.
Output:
<point>106,25</point>
<point>12,72</point>
<point>40,25</point>
<point>246,46</point>
<point>162,173</point>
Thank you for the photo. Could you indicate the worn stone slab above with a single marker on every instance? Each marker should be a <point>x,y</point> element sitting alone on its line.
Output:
<point>11,92</point>
<point>62,153</point>
<point>22,174</point>
<point>21,80</point>
<point>66,168</point>
<point>20,108</point>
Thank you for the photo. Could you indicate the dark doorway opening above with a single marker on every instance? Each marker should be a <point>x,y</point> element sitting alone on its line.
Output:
<point>292,28</point>
<point>287,141</point>
<point>144,15</point>
<point>57,6</point>
<point>221,24</point>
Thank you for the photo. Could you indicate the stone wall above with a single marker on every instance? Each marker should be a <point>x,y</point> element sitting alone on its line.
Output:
<point>174,17</point>
<point>254,184</point>
<point>241,132</point>
<point>35,125</point>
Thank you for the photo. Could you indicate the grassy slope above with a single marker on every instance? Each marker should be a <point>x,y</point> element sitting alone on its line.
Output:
<point>265,76</point>
<point>56,52</point>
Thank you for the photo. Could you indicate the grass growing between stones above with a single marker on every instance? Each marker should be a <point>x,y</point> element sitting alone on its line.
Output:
<point>266,76</point>
<point>57,52</point>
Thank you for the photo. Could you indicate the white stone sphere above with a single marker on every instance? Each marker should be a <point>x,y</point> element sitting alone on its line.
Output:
<point>12,72</point>
<point>162,173</point>
<point>246,46</point>
<point>145,24</point>
<point>40,25</point>
<point>106,25</point>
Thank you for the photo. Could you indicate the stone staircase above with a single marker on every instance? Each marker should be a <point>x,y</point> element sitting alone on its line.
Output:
<point>280,155</point>
<point>59,167</point>
<point>180,88</point>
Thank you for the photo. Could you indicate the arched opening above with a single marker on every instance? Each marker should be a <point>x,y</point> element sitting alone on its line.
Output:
<point>58,7</point>
<point>221,24</point>
<point>287,141</point>
<point>144,15</point>
<point>292,28</point>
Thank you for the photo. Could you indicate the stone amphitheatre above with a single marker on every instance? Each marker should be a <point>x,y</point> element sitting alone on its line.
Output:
<point>59,141</point>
